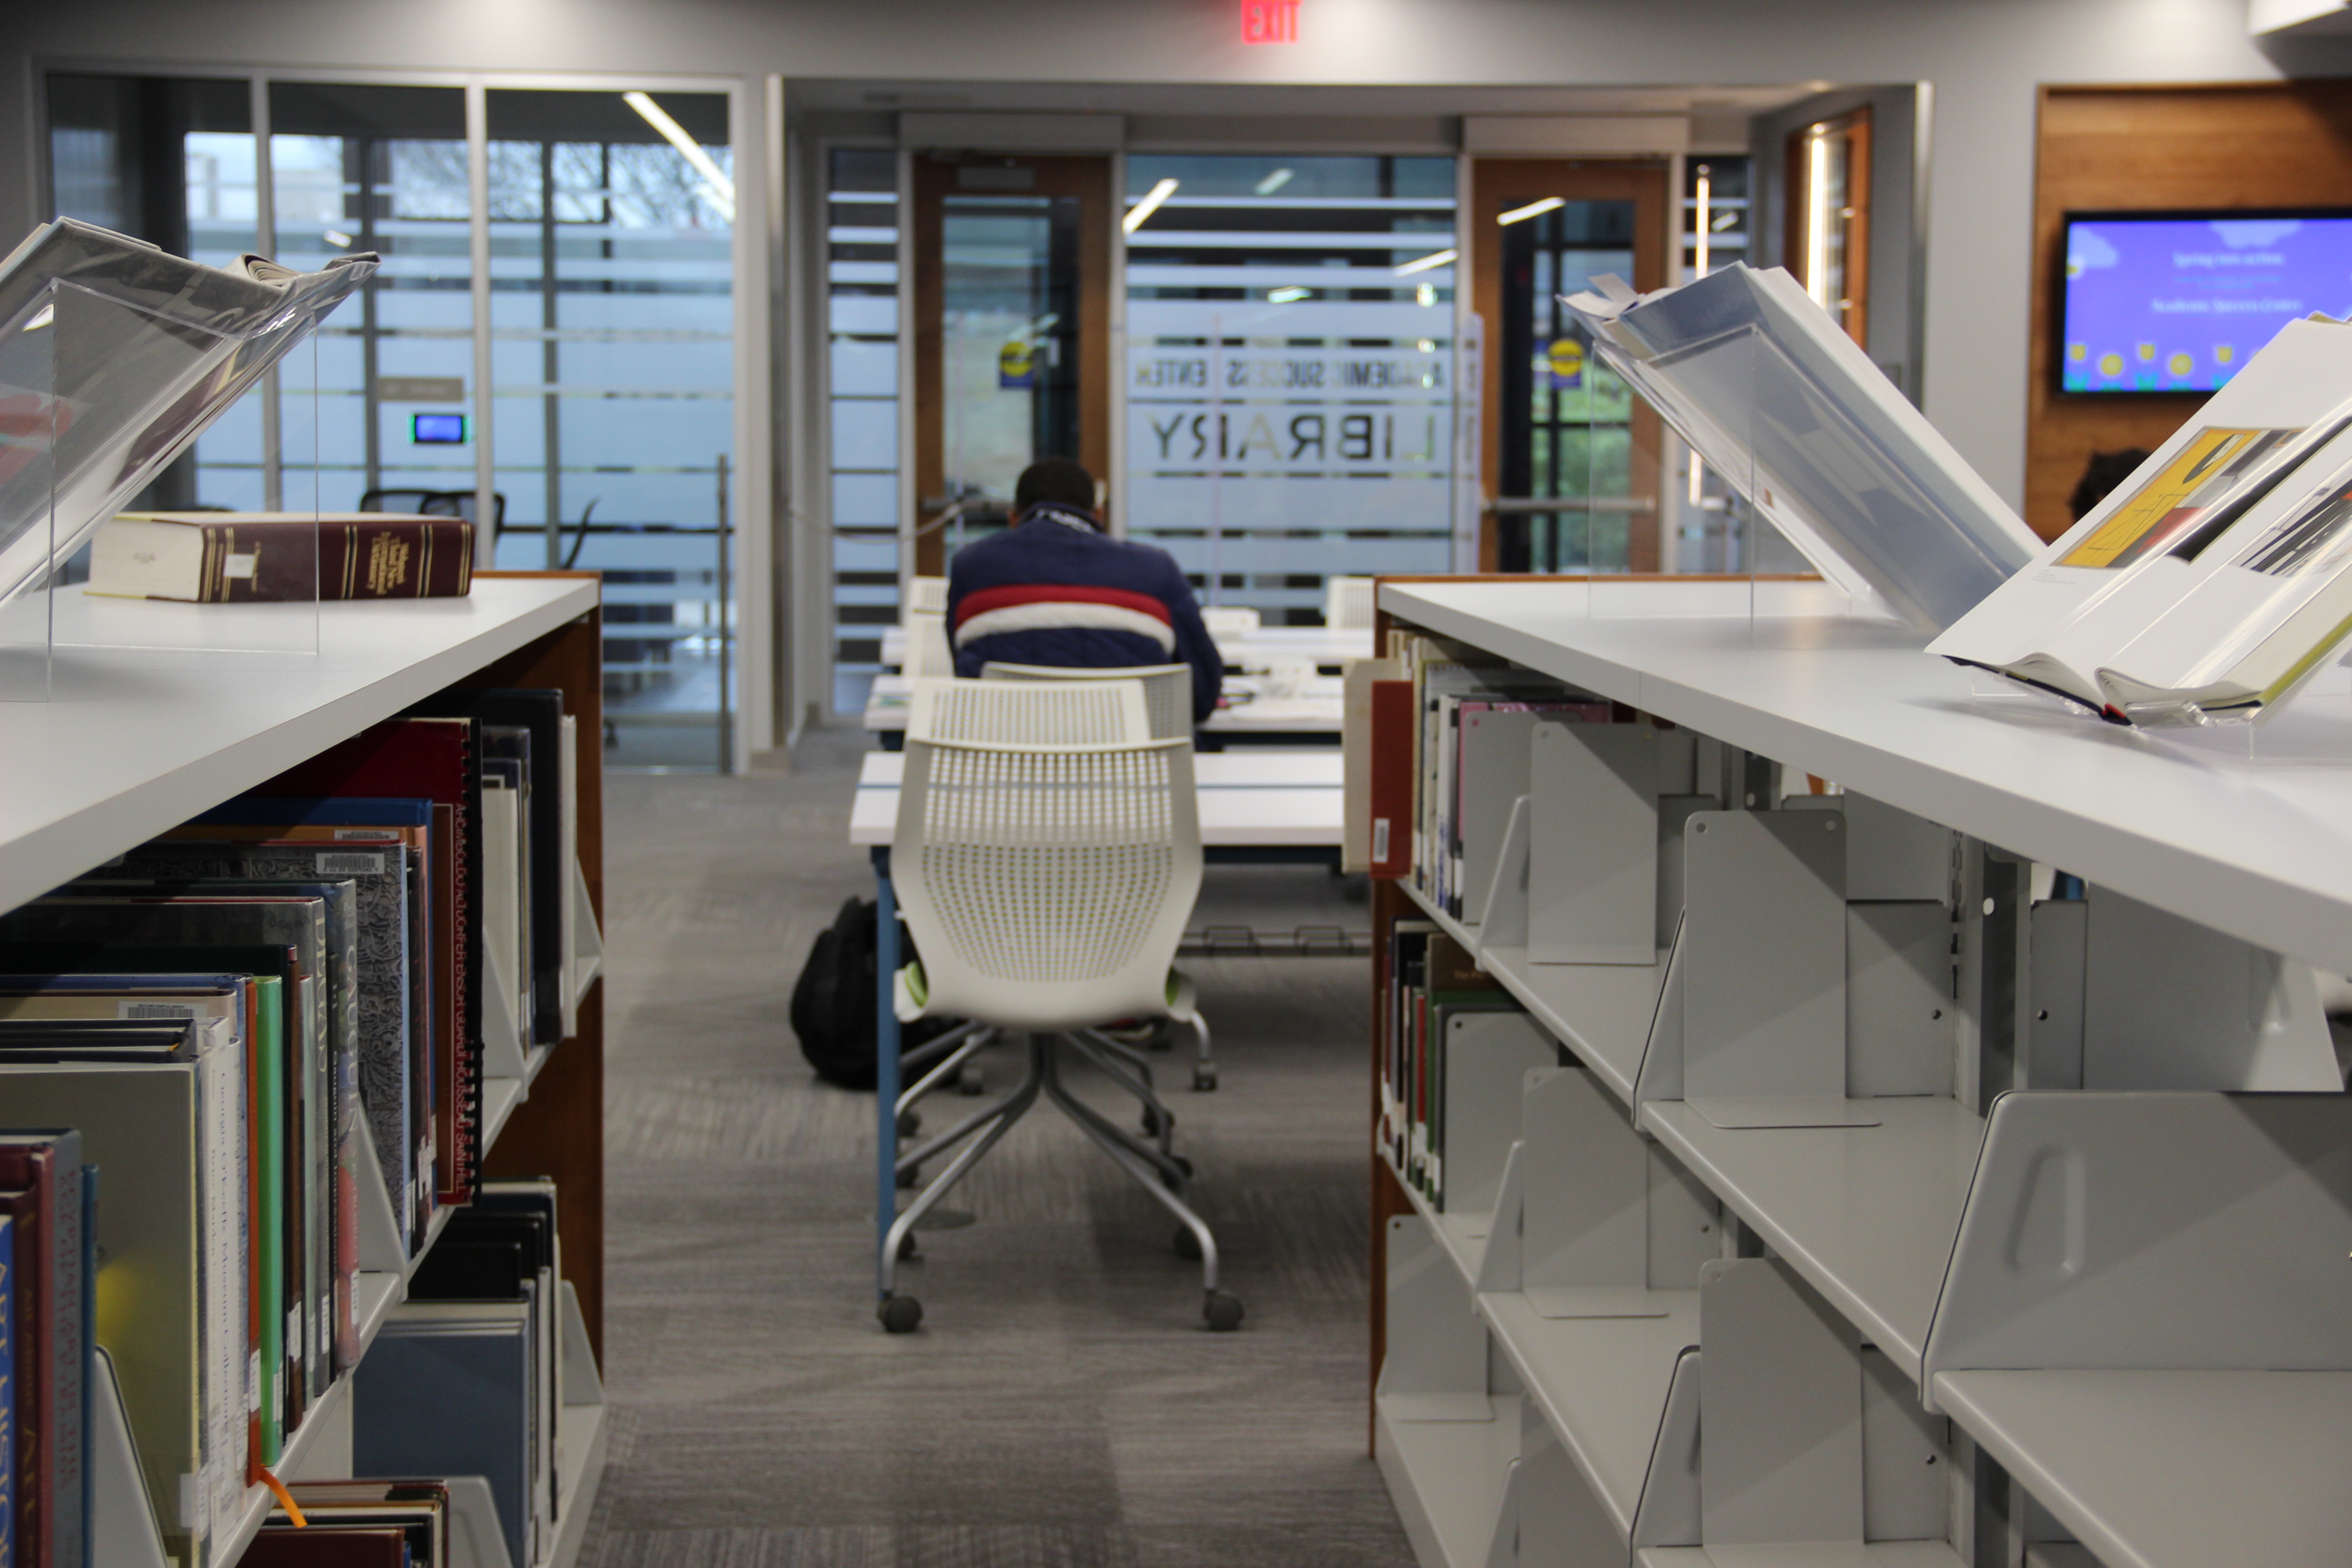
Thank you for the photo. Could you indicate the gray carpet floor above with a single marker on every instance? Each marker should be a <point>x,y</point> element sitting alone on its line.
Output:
<point>1062,1405</point>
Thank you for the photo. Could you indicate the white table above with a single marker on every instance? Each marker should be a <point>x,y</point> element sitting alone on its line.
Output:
<point>1249,650</point>
<point>1318,709</point>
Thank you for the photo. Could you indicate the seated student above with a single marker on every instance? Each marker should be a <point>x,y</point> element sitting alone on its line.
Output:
<point>1055,589</point>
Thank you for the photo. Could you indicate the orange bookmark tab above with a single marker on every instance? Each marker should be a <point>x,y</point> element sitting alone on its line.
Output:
<point>285,1499</point>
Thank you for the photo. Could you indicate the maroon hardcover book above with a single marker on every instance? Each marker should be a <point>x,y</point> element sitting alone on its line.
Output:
<point>435,760</point>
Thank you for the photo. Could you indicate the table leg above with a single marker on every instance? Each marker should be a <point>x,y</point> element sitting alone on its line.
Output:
<point>886,1059</point>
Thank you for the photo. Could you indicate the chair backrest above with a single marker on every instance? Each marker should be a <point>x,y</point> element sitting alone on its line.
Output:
<point>1229,620</point>
<point>1348,602</point>
<point>1048,887</point>
<point>1167,688</point>
<point>928,654</point>
<point>927,596</point>
<point>1028,713</point>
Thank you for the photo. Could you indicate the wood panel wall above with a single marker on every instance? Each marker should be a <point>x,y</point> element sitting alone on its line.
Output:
<point>2271,144</point>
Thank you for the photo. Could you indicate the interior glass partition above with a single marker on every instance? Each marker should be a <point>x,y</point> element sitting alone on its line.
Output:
<point>1290,371</point>
<point>862,411</point>
<point>609,421</point>
<point>612,335</point>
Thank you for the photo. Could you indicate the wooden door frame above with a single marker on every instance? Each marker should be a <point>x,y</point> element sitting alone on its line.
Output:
<point>1497,184</point>
<point>1853,128</point>
<point>1088,178</point>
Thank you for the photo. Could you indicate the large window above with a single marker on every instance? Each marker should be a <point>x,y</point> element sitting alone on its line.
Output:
<point>1290,371</point>
<point>604,428</point>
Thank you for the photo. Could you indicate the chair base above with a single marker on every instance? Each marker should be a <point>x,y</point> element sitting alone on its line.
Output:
<point>1154,1164</point>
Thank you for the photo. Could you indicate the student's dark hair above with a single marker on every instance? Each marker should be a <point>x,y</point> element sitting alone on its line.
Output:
<point>1056,480</point>
<point>2104,471</point>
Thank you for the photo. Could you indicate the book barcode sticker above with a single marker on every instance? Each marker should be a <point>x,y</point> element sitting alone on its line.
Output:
<point>173,1010</point>
<point>239,566</point>
<point>365,835</point>
<point>349,863</point>
<point>1380,839</point>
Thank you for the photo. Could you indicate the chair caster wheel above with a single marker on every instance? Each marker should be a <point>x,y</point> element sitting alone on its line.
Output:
<point>1204,1079</point>
<point>907,1253</point>
<point>909,1123</point>
<point>904,1314</point>
<point>1223,1312</point>
<point>971,1081</point>
<point>911,1178</point>
<point>1188,1246</point>
<point>1152,1124</point>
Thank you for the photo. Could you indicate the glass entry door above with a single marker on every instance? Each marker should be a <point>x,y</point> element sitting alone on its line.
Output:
<point>1559,427</point>
<point>1011,338</point>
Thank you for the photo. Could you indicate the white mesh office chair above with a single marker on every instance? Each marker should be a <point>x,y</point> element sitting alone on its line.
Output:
<point>1167,687</point>
<point>928,655</point>
<point>1348,602</point>
<point>1046,889</point>
<point>927,596</point>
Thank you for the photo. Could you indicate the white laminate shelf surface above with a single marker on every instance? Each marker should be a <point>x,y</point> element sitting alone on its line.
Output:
<point>134,742</point>
<point>1447,1479</point>
<point>1601,1382</point>
<point>2250,829</point>
<point>1866,1214</point>
<point>2171,1469</point>
<point>1805,1554</point>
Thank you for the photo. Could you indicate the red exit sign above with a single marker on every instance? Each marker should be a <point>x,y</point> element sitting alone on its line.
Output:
<point>1269,21</point>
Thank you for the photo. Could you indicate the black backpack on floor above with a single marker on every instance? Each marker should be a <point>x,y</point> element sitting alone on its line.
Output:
<point>834,1001</point>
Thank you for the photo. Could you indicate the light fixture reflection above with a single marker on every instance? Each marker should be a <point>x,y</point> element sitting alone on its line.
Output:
<point>1422,264</point>
<point>1533,209</point>
<point>1273,182</point>
<point>1147,205</point>
<point>337,238</point>
<point>1288,294</point>
<point>715,183</point>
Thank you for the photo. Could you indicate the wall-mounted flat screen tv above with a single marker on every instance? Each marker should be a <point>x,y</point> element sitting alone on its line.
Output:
<point>2178,302</point>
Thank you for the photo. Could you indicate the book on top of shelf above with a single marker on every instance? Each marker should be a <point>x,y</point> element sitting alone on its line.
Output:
<point>2214,581</point>
<point>171,1305</point>
<point>1790,411</point>
<point>41,1192</point>
<point>226,558</point>
<point>119,355</point>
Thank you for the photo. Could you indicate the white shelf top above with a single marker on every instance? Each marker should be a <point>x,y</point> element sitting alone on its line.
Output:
<point>2256,846</point>
<point>1866,1214</point>
<point>134,742</point>
<point>1448,1477</point>
<point>2166,1469</point>
<point>1805,1554</point>
<point>1270,799</point>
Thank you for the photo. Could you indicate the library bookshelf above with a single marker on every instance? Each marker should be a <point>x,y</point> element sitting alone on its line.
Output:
<point>2032,1275</point>
<point>135,742</point>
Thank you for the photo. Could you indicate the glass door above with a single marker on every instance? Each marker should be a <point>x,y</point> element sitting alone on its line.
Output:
<point>1574,459</point>
<point>1011,340</point>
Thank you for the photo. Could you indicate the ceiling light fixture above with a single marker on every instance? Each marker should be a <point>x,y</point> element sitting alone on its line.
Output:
<point>1147,205</point>
<point>1533,209</point>
<point>1422,264</point>
<point>715,183</point>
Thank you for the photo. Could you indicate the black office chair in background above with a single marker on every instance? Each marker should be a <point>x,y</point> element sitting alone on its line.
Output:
<point>435,503</point>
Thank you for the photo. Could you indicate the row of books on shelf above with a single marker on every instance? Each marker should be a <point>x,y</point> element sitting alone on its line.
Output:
<point>1435,991</point>
<point>260,1043</point>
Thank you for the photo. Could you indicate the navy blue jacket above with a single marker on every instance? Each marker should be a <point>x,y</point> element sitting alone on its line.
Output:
<point>1054,591</point>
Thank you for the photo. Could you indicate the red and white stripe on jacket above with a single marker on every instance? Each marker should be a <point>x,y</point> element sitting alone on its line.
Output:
<point>1054,606</point>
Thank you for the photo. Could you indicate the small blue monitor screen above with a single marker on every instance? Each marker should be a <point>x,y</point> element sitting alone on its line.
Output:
<point>438,429</point>
<point>2174,302</point>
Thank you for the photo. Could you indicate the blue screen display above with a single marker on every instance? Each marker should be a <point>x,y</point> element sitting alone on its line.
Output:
<point>2179,303</point>
<point>438,429</point>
